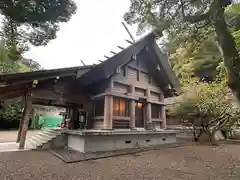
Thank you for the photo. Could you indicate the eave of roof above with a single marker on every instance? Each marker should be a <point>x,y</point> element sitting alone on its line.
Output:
<point>42,74</point>
<point>172,78</point>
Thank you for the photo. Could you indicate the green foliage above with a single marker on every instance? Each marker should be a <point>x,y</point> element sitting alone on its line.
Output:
<point>9,65</point>
<point>198,42</point>
<point>203,99</point>
<point>236,36</point>
<point>11,111</point>
<point>188,27</point>
<point>35,21</point>
<point>196,58</point>
<point>205,103</point>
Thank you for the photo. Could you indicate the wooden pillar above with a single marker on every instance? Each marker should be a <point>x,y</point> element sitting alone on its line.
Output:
<point>20,126</point>
<point>27,111</point>
<point>132,109</point>
<point>163,112</point>
<point>108,112</point>
<point>21,120</point>
<point>148,108</point>
<point>149,113</point>
<point>71,117</point>
<point>163,117</point>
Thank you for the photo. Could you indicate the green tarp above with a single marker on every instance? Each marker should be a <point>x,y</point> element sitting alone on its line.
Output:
<point>50,121</point>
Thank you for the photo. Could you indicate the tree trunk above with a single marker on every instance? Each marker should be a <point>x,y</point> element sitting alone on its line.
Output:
<point>201,131</point>
<point>228,46</point>
<point>206,135</point>
<point>212,135</point>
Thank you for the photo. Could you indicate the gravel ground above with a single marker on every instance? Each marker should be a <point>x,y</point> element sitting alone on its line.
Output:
<point>189,162</point>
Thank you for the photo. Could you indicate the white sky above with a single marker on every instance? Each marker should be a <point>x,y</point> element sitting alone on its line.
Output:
<point>91,33</point>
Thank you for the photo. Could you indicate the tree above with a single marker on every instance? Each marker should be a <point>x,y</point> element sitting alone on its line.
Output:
<point>199,58</point>
<point>207,107</point>
<point>8,64</point>
<point>31,64</point>
<point>10,110</point>
<point>34,21</point>
<point>190,16</point>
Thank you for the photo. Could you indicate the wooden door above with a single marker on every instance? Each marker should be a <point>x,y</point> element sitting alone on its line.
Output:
<point>139,120</point>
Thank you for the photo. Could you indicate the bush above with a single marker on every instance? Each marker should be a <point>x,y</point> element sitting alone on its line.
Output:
<point>10,114</point>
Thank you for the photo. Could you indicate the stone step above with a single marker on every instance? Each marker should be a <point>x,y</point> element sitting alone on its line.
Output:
<point>37,141</point>
<point>43,139</point>
<point>51,132</point>
<point>30,144</point>
<point>46,136</point>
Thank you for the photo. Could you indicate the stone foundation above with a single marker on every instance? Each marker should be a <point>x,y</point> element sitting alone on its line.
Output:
<point>94,141</point>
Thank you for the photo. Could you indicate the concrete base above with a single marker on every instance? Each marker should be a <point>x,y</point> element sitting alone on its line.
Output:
<point>94,141</point>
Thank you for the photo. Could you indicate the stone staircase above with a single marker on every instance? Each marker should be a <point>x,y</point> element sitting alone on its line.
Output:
<point>42,138</point>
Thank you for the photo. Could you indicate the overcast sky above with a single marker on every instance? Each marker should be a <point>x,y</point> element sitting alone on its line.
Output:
<point>92,32</point>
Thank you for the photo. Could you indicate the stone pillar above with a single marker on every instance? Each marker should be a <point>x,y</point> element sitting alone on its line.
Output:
<point>27,111</point>
<point>148,110</point>
<point>132,107</point>
<point>108,112</point>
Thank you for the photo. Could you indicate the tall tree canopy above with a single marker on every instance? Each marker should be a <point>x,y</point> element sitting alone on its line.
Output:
<point>8,64</point>
<point>186,18</point>
<point>34,21</point>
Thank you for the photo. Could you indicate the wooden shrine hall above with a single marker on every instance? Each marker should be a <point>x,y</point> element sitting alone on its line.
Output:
<point>126,91</point>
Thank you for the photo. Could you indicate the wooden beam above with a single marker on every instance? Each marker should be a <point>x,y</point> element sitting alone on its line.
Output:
<point>126,28</point>
<point>100,61</point>
<point>106,56</point>
<point>83,62</point>
<point>130,42</point>
<point>27,111</point>
<point>120,47</point>
<point>47,77</point>
<point>113,52</point>
<point>11,95</point>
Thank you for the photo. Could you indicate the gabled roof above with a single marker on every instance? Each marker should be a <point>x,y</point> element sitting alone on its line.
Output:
<point>108,67</point>
<point>87,75</point>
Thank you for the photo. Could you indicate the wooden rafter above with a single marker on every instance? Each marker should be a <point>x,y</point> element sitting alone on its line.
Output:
<point>120,47</point>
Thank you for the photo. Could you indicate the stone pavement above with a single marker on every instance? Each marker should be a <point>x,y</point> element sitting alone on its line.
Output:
<point>8,138</point>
